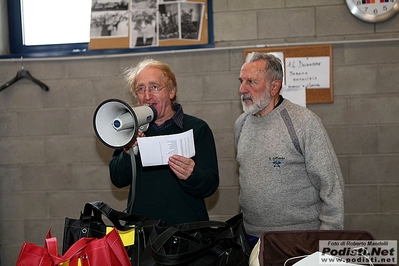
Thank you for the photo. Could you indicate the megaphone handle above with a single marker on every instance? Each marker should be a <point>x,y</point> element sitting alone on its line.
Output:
<point>134,174</point>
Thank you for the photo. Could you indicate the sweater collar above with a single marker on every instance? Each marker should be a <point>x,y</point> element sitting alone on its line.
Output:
<point>176,119</point>
<point>279,102</point>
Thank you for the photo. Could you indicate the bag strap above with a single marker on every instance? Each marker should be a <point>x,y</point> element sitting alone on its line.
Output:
<point>232,222</point>
<point>234,229</point>
<point>115,243</point>
<point>99,207</point>
<point>178,230</point>
<point>134,178</point>
<point>235,220</point>
<point>240,129</point>
<point>113,240</point>
<point>199,225</point>
<point>176,259</point>
<point>52,246</point>
<point>75,249</point>
<point>109,247</point>
<point>231,226</point>
<point>288,123</point>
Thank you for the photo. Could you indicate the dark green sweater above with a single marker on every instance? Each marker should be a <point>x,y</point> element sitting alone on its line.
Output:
<point>159,193</point>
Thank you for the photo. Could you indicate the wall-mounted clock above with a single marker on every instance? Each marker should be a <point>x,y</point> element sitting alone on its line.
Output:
<point>373,10</point>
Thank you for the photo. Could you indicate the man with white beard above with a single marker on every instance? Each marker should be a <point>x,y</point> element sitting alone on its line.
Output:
<point>289,174</point>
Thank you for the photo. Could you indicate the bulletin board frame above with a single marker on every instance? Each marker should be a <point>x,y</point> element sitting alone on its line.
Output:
<point>313,96</point>
<point>170,31</point>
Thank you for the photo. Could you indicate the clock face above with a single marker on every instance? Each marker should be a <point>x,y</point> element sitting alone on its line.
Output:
<point>373,10</point>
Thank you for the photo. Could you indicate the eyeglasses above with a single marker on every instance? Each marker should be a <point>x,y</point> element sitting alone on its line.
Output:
<point>153,88</point>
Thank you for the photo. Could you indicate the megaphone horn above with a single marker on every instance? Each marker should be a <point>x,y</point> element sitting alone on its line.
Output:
<point>116,123</point>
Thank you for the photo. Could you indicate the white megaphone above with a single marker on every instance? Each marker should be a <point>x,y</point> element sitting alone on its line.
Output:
<point>116,123</point>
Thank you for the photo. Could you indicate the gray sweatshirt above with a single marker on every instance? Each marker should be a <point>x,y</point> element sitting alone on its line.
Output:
<point>280,188</point>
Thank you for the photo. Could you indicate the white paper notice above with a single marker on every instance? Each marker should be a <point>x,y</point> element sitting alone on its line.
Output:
<point>295,95</point>
<point>157,150</point>
<point>307,72</point>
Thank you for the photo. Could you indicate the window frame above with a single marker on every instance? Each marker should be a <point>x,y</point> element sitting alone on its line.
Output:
<point>18,49</point>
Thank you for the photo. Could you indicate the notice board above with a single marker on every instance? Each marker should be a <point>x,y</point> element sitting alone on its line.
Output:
<point>150,25</point>
<point>306,66</point>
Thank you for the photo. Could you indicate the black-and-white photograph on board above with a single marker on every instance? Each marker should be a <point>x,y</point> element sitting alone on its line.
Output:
<point>191,20</point>
<point>109,19</point>
<point>143,28</point>
<point>169,21</point>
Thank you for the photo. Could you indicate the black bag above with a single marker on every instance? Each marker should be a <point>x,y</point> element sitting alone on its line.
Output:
<point>202,243</point>
<point>91,224</point>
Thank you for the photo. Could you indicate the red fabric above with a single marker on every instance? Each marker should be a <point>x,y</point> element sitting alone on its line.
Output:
<point>106,251</point>
<point>34,255</point>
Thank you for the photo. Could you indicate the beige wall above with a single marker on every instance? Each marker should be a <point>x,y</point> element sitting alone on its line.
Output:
<point>51,163</point>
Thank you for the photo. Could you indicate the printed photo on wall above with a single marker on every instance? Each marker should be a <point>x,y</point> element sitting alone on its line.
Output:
<point>168,21</point>
<point>143,27</point>
<point>191,20</point>
<point>180,20</point>
<point>148,23</point>
<point>109,19</point>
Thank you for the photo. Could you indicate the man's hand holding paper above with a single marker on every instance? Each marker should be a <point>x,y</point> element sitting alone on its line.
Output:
<point>157,150</point>
<point>183,167</point>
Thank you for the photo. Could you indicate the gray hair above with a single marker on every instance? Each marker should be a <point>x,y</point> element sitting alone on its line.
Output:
<point>273,68</point>
<point>130,74</point>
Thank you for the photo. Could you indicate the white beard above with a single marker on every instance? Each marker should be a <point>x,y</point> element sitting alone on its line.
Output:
<point>256,106</point>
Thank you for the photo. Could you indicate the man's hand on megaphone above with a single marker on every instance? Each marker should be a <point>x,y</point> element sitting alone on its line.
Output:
<point>134,144</point>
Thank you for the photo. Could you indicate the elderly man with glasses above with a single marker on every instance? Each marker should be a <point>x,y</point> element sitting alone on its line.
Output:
<point>175,192</point>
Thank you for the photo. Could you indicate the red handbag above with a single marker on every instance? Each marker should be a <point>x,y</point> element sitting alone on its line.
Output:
<point>31,254</point>
<point>108,250</point>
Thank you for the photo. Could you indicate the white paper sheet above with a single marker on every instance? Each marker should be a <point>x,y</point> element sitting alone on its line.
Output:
<point>314,259</point>
<point>307,72</point>
<point>157,150</point>
<point>294,94</point>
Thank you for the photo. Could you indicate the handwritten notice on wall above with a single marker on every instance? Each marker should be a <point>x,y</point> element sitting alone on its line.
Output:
<point>307,72</point>
<point>295,95</point>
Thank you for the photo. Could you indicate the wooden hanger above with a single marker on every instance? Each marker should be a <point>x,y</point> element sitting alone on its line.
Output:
<point>23,73</point>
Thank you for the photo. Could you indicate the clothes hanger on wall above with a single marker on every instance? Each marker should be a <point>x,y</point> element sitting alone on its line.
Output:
<point>23,73</point>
